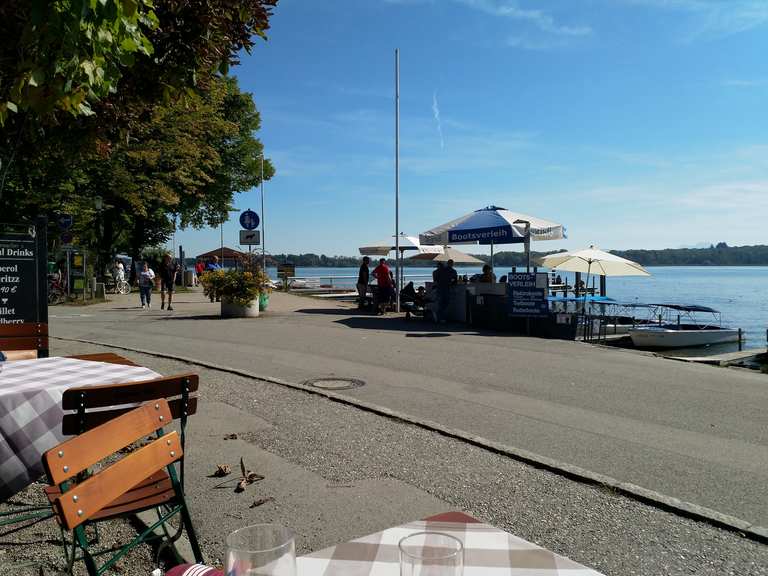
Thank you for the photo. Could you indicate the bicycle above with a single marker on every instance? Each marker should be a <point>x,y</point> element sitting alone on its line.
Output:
<point>56,292</point>
<point>117,286</point>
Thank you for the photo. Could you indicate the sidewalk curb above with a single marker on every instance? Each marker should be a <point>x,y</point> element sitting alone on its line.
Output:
<point>570,471</point>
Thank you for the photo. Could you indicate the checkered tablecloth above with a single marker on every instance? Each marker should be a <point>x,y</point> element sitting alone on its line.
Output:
<point>31,413</point>
<point>488,551</point>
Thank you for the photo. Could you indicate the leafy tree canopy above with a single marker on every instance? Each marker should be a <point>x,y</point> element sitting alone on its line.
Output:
<point>64,56</point>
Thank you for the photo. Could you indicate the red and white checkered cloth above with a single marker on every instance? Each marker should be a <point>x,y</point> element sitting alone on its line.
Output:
<point>31,413</point>
<point>488,551</point>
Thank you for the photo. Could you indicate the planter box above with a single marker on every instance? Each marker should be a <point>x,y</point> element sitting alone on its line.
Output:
<point>231,310</point>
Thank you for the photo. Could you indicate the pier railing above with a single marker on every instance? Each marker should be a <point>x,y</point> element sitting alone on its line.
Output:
<point>335,283</point>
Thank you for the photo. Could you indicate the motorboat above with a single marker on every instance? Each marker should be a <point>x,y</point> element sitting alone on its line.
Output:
<point>686,331</point>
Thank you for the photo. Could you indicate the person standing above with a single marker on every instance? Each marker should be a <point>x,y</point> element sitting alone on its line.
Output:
<point>446,277</point>
<point>363,277</point>
<point>487,276</point>
<point>119,270</point>
<point>168,271</point>
<point>146,281</point>
<point>383,285</point>
<point>199,269</point>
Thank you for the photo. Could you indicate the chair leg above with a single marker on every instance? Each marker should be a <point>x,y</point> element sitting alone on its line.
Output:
<point>187,519</point>
<point>82,541</point>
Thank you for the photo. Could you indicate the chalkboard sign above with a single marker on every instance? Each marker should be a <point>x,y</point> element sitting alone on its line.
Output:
<point>527,294</point>
<point>23,274</point>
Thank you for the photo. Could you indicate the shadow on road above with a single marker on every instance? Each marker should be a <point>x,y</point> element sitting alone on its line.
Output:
<point>415,328</point>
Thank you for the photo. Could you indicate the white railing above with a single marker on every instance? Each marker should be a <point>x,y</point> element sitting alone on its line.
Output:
<point>335,282</point>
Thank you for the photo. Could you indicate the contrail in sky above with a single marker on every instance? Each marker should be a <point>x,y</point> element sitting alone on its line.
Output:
<point>436,112</point>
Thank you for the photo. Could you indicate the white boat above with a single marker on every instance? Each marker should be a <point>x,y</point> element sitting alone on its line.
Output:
<point>688,331</point>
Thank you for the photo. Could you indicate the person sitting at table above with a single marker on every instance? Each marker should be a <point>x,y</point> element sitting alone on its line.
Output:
<point>487,276</point>
<point>408,293</point>
<point>558,280</point>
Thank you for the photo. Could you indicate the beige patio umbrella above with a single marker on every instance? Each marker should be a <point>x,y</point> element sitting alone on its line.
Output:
<point>449,254</point>
<point>594,261</point>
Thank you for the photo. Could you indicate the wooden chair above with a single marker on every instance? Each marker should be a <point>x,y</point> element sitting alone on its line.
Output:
<point>141,480</point>
<point>24,341</point>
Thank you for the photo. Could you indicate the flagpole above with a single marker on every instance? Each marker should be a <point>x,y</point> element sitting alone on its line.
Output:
<point>397,180</point>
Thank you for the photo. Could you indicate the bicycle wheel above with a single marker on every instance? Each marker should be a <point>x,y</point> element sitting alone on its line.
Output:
<point>123,287</point>
<point>55,296</point>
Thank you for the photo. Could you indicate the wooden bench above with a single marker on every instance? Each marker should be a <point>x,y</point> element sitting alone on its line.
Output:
<point>141,480</point>
<point>24,341</point>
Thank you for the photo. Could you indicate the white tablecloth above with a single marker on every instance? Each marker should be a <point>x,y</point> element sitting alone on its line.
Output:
<point>31,413</point>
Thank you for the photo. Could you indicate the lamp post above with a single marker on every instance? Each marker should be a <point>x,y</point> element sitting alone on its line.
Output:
<point>263,225</point>
<point>98,203</point>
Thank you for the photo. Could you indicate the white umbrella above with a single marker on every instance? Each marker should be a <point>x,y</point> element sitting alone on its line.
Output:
<point>594,261</point>
<point>493,225</point>
<point>406,243</point>
<point>449,254</point>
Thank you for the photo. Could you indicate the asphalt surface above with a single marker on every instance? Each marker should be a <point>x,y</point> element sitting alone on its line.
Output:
<point>334,472</point>
<point>692,432</point>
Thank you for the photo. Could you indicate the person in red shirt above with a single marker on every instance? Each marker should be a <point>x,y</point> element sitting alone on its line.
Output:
<point>384,286</point>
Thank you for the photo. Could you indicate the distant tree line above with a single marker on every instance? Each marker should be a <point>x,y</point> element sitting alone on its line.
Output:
<point>716,255</point>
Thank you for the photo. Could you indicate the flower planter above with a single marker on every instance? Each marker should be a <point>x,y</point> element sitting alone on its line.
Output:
<point>263,301</point>
<point>232,310</point>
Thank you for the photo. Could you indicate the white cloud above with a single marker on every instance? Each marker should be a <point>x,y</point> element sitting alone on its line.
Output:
<point>436,113</point>
<point>714,18</point>
<point>539,18</point>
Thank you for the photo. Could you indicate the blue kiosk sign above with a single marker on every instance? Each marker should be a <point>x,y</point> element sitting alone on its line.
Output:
<point>249,220</point>
<point>527,297</point>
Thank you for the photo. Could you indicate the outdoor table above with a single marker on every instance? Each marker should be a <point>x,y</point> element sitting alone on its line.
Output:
<point>487,551</point>
<point>31,414</point>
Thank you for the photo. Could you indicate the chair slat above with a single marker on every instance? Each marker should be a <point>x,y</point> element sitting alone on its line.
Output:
<point>76,455</point>
<point>73,424</point>
<point>88,497</point>
<point>25,329</point>
<point>24,343</point>
<point>129,392</point>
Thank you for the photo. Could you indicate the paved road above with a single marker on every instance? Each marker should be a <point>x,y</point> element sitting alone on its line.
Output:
<point>693,432</point>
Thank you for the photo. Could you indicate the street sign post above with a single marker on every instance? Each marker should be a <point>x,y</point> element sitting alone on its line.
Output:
<point>249,220</point>
<point>65,221</point>
<point>250,237</point>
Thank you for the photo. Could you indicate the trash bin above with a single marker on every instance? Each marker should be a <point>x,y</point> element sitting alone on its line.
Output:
<point>189,277</point>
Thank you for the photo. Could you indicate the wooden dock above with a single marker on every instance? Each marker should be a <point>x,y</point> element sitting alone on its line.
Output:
<point>725,359</point>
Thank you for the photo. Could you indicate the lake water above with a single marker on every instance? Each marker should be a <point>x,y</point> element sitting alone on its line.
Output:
<point>739,292</point>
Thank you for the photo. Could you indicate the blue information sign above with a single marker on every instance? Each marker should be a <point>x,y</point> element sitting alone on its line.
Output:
<point>249,220</point>
<point>526,296</point>
<point>65,221</point>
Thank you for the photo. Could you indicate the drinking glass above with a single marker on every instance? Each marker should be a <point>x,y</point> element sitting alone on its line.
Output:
<point>431,554</point>
<point>261,550</point>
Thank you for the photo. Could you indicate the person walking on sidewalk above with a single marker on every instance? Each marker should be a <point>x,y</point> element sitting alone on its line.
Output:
<point>168,271</point>
<point>146,282</point>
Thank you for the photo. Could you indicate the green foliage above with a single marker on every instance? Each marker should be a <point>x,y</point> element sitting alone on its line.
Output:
<point>78,57</point>
<point>719,255</point>
<point>237,286</point>
<point>183,160</point>
<point>63,55</point>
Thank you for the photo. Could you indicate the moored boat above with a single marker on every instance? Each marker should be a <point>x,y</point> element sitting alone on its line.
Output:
<point>689,333</point>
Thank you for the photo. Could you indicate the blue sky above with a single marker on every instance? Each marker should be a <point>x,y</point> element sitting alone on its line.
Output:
<point>635,123</point>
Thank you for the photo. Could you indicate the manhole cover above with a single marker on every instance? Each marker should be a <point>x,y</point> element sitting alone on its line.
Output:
<point>335,383</point>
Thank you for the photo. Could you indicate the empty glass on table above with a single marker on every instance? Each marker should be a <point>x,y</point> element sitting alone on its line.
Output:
<point>431,554</point>
<point>261,550</point>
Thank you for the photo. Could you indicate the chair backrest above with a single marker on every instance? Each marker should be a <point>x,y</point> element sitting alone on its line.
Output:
<point>112,400</point>
<point>108,357</point>
<point>82,500</point>
<point>26,336</point>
